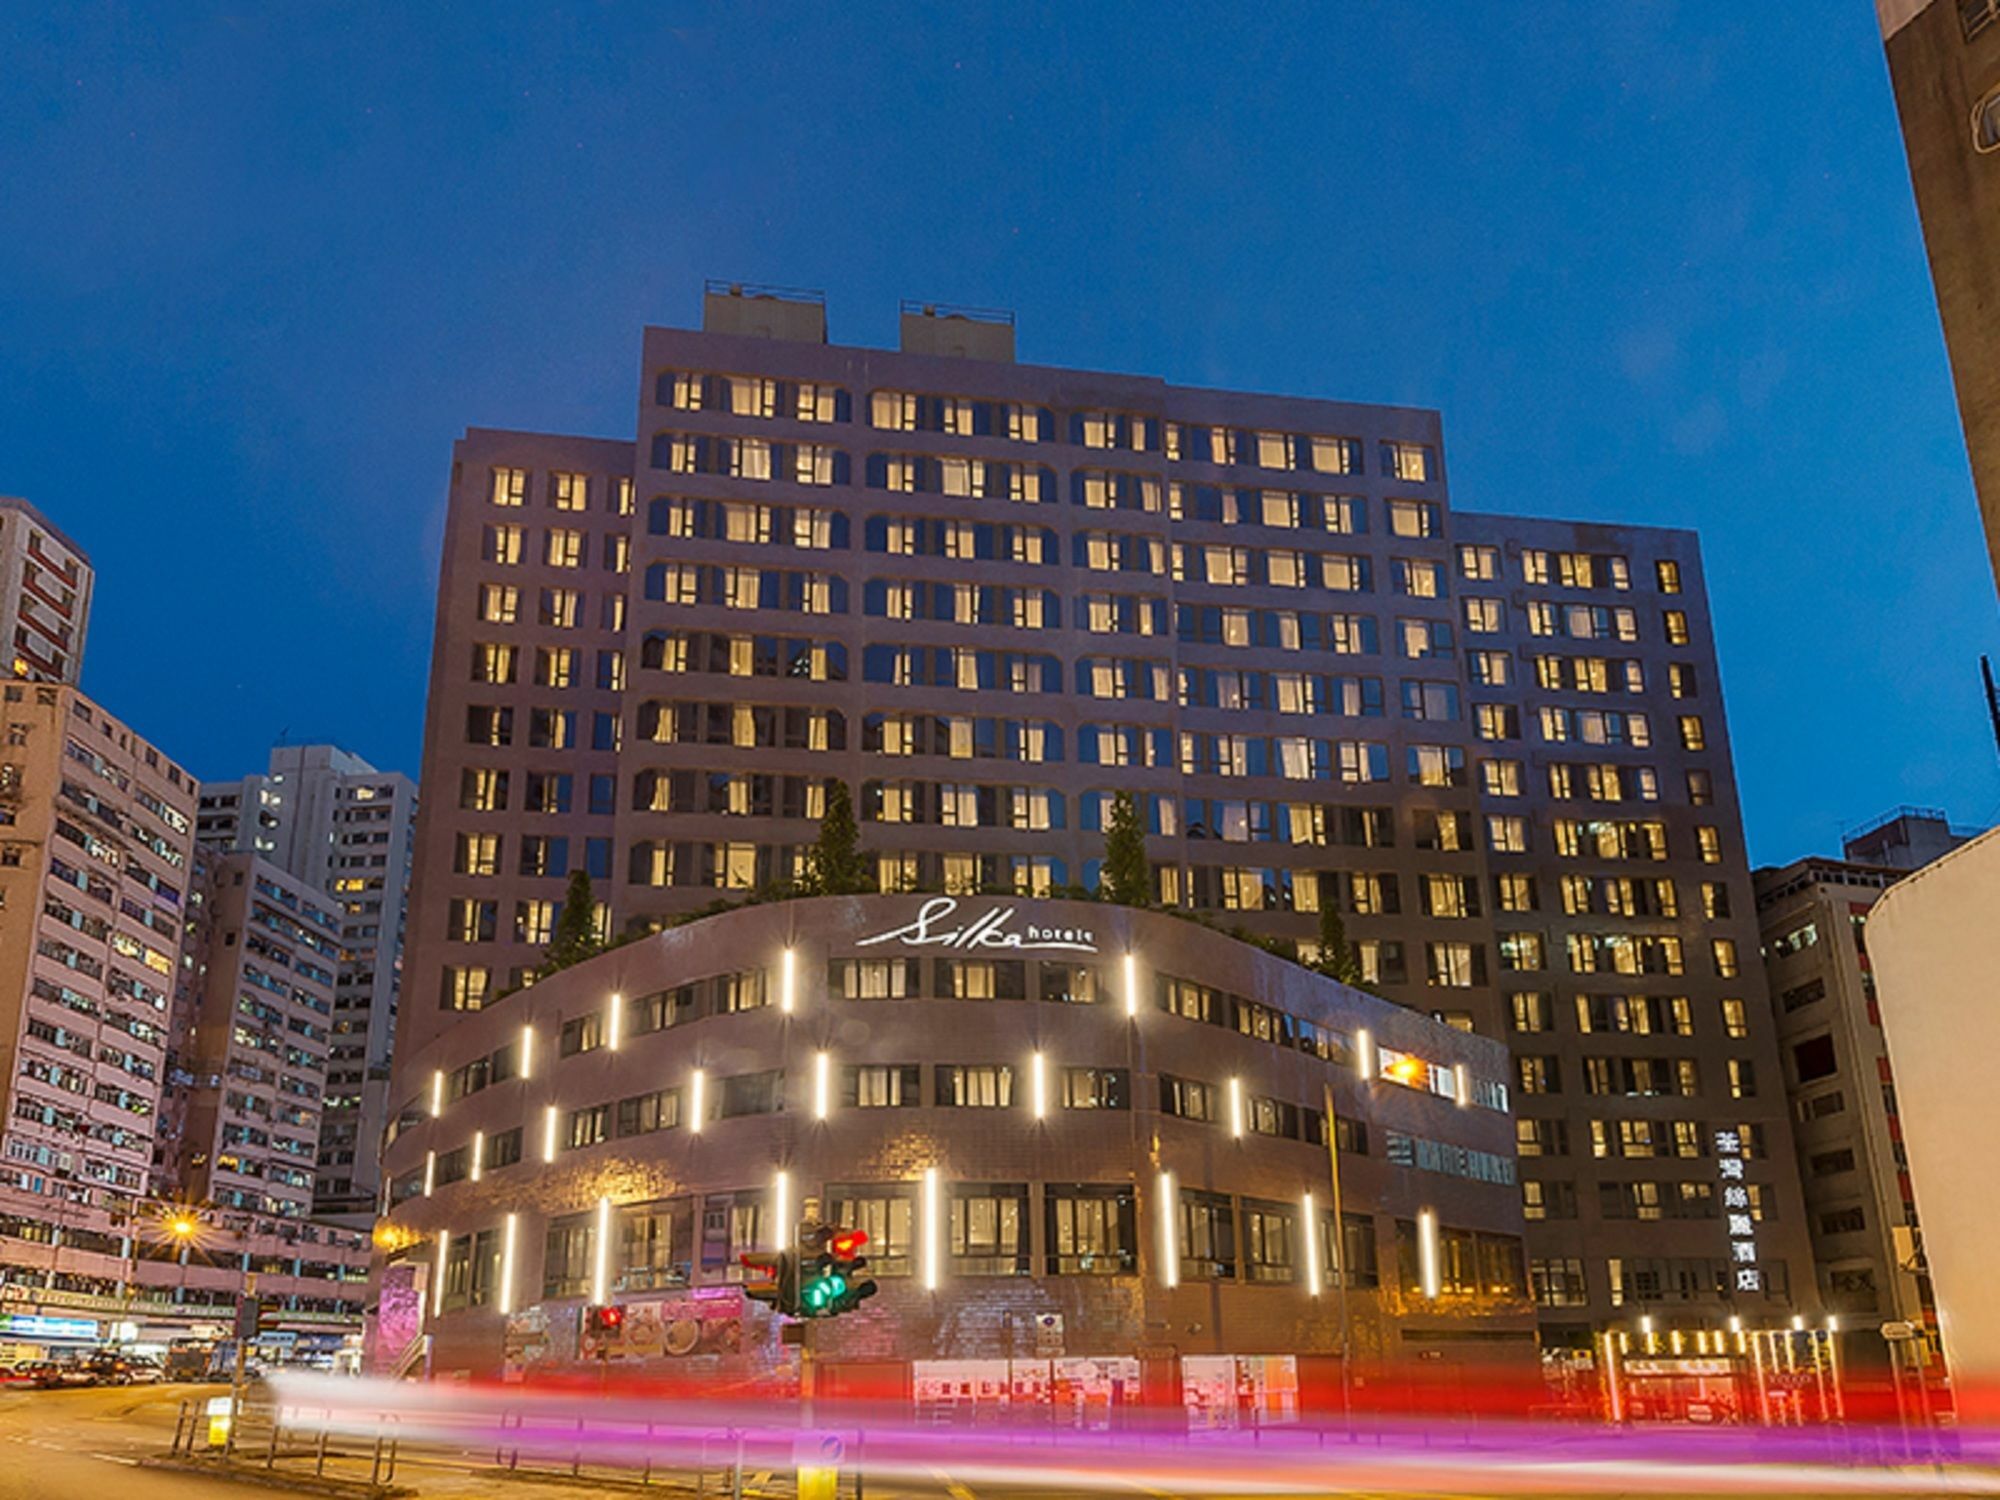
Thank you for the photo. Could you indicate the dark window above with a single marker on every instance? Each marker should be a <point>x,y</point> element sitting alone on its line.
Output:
<point>1814,1059</point>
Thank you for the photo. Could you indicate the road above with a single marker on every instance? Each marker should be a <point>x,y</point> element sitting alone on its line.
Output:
<point>87,1445</point>
<point>55,1445</point>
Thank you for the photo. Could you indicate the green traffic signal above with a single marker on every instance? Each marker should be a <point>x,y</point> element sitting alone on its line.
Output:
<point>823,1293</point>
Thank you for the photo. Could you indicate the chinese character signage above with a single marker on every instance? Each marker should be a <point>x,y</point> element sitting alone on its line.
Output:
<point>1736,1211</point>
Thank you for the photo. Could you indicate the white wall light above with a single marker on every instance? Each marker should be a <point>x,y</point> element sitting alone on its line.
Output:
<point>1309,1217</point>
<point>437,1292</point>
<point>932,1242</point>
<point>507,1238</point>
<point>1427,1251</point>
<point>600,1256</point>
<point>1170,1232</point>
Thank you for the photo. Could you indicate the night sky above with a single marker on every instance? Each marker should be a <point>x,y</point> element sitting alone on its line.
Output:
<point>259,267</point>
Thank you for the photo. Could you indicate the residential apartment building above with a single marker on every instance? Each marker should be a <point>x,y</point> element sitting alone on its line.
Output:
<point>242,1112</point>
<point>1860,1206</point>
<point>989,595</point>
<point>333,821</point>
<point>45,585</point>
<point>1944,60</point>
<point>258,1046</point>
<point>96,839</point>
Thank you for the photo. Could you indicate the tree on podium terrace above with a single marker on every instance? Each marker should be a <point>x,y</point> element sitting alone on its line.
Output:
<point>1128,874</point>
<point>836,864</point>
<point>575,936</point>
<point>1337,958</point>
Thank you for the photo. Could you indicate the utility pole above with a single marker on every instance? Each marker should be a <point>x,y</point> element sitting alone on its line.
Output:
<point>1339,1255</point>
<point>247,1304</point>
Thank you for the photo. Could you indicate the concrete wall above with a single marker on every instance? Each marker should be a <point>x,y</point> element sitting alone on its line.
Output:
<point>1937,951</point>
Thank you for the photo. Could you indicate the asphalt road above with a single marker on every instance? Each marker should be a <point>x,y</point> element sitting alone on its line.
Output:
<point>86,1445</point>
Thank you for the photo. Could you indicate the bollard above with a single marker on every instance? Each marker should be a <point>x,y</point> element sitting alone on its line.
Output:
<point>736,1475</point>
<point>319,1463</point>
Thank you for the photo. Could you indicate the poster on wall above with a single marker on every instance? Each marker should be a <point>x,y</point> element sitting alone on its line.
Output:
<point>673,1328</point>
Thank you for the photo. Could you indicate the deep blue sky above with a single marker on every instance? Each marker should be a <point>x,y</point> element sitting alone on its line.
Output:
<point>1660,263</point>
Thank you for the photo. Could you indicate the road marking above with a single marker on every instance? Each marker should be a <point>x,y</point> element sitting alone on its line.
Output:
<point>113,1458</point>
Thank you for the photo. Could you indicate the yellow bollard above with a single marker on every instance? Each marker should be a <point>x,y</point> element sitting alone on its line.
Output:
<point>818,1462</point>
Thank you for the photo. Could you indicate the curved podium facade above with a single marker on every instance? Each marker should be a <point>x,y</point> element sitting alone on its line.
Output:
<point>1073,1132</point>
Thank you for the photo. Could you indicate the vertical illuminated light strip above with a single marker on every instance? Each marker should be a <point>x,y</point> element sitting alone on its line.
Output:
<point>1170,1239</point>
<point>1132,985</point>
<point>478,1155</point>
<point>527,1052</point>
<point>437,1292</point>
<point>1427,1251</point>
<point>430,1171</point>
<point>507,1235</point>
<point>614,1021</point>
<point>781,1211</point>
<point>550,1120</point>
<point>932,1244</point>
<point>1236,1108</point>
<point>1461,1083</point>
<point>1364,1054</point>
<point>822,1085</point>
<point>437,1092</point>
<point>1038,1085</point>
<point>600,1255</point>
<point>697,1100</point>
<point>1310,1246</point>
<point>788,981</point>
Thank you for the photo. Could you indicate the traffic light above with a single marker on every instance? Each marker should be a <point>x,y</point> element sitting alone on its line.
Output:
<point>604,1321</point>
<point>830,1282</point>
<point>771,1277</point>
<point>845,1249</point>
<point>817,1288</point>
<point>269,1315</point>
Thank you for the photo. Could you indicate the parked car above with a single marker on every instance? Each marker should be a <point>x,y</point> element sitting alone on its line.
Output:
<point>147,1372</point>
<point>56,1375</point>
<point>106,1368</point>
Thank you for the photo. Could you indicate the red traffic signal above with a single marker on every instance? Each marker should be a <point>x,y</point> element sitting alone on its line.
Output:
<point>847,1243</point>
<point>604,1320</point>
<point>771,1277</point>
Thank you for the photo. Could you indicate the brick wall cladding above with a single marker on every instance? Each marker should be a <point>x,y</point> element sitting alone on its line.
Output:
<point>972,1316</point>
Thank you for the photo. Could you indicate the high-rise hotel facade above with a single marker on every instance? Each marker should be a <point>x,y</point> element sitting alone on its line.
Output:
<point>989,596</point>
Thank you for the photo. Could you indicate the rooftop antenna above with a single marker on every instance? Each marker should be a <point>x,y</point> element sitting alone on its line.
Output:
<point>1992,698</point>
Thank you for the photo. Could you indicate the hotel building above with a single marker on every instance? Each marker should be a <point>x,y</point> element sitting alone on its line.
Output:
<point>1091,1139</point>
<point>988,595</point>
